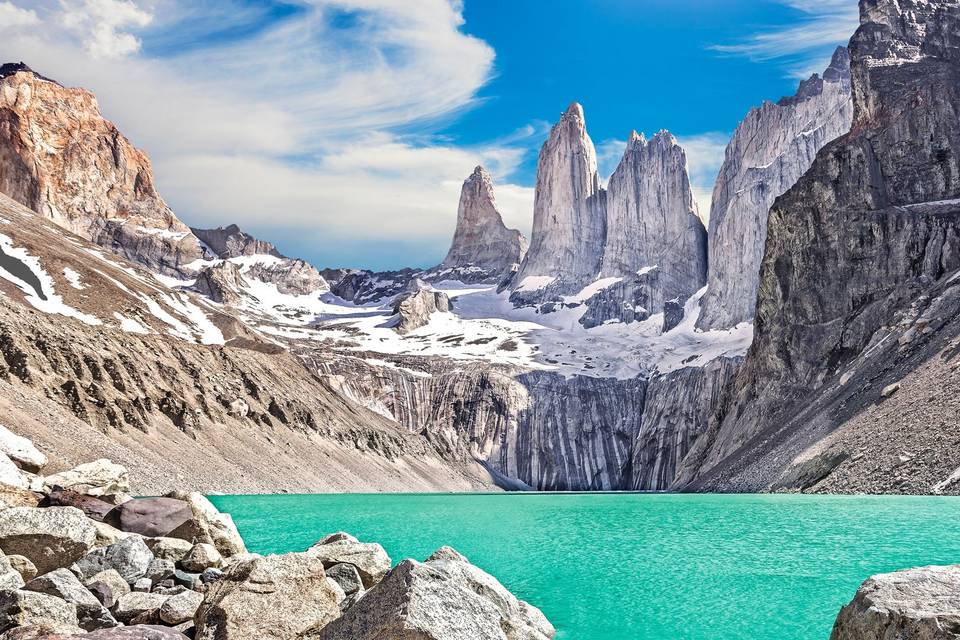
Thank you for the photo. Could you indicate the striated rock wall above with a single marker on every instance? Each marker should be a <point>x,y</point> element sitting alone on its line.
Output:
<point>61,158</point>
<point>873,227</point>
<point>769,152</point>
<point>232,242</point>
<point>539,428</point>
<point>677,409</point>
<point>483,248</point>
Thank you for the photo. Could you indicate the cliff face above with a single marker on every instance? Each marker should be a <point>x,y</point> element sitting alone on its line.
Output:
<point>773,146</point>
<point>871,231</point>
<point>483,248</point>
<point>569,216</point>
<point>652,222</point>
<point>61,158</point>
<point>232,242</point>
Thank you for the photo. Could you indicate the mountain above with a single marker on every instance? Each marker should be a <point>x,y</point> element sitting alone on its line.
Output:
<point>569,216</point>
<point>483,248</point>
<point>771,148</point>
<point>851,375</point>
<point>61,158</point>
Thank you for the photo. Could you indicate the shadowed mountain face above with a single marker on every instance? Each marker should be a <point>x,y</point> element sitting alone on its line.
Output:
<point>858,274</point>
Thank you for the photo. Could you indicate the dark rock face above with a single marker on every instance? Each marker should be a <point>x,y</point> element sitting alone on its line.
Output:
<point>232,242</point>
<point>871,228</point>
<point>771,149</point>
<point>483,248</point>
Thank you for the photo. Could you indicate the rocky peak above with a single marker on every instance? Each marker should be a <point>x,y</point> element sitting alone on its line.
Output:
<point>483,248</point>
<point>232,242</point>
<point>569,224</point>
<point>771,148</point>
<point>11,68</point>
<point>61,158</point>
<point>652,221</point>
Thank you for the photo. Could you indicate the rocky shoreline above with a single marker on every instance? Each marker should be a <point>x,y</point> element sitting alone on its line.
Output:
<point>82,558</point>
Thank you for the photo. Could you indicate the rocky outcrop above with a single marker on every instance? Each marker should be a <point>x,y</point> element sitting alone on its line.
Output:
<point>443,598</point>
<point>871,231</point>
<point>569,215</point>
<point>232,242</point>
<point>61,158</point>
<point>413,309</point>
<point>222,282</point>
<point>652,221</point>
<point>483,248</point>
<point>922,603</point>
<point>769,152</point>
<point>369,558</point>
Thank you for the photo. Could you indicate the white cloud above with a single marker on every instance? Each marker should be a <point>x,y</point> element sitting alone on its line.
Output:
<point>705,154</point>
<point>14,17</point>
<point>823,24</point>
<point>102,25</point>
<point>318,125</point>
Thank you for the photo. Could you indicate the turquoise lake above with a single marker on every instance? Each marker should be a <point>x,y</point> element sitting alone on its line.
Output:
<point>653,566</point>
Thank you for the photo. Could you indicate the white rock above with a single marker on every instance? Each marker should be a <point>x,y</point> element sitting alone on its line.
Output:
<point>21,450</point>
<point>100,478</point>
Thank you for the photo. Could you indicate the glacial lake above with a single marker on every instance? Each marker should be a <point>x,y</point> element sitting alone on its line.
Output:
<point>652,566</point>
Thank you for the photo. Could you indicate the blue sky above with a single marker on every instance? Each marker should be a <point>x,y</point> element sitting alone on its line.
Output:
<point>341,129</point>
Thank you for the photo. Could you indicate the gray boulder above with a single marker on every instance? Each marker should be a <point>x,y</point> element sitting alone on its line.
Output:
<point>134,604</point>
<point>50,538</point>
<point>21,450</point>
<point>135,632</point>
<point>21,565</point>
<point>24,608</point>
<point>181,607</point>
<point>10,578</point>
<point>107,586</point>
<point>211,526</point>
<point>413,309</point>
<point>201,557</point>
<point>64,585</point>
<point>280,597</point>
<point>130,558</point>
<point>159,570</point>
<point>346,576</point>
<point>153,517</point>
<point>916,604</point>
<point>444,598</point>
<point>370,559</point>
<point>169,548</point>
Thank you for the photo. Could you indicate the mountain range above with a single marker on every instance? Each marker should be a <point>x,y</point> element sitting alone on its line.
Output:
<point>804,340</point>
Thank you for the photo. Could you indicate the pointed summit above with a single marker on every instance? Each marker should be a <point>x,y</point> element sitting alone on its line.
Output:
<point>568,211</point>
<point>483,248</point>
<point>652,222</point>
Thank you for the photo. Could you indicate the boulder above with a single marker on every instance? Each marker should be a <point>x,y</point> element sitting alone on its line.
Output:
<point>21,451</point>
<point>130,558</point>
<point>23,566</point>
<point>49,538</point>
<point>108,535</point>
<point>91,614</point>
<point>278,597</point>
<point>413,309</point>
<point>443,598</point>
<point>24,608</point>
<point>10,578</point>
<point>916,604</point>
<point>159,570</point>
<point>100,478</point>
<point>93,508</point>
<point>135,632</point>
<point>213,527</point>
<point>370,559</point>
<point>46,631</point>
<point>152,517</point>
<point>173,549</point>
<point>107,586</point>
<point>201,557</point>
<point>142,585</point>
<point>346,576</point>
<point>11,475</point>
<point>134,604</point>
<point>181,607</point>
<point>211,575</point>
<point>186,579</point>
<point>16,497</point>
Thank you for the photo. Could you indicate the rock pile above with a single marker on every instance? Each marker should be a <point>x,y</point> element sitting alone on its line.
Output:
<point>81,558</point>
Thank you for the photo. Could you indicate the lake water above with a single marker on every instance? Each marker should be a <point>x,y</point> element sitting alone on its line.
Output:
<point>623,566</point>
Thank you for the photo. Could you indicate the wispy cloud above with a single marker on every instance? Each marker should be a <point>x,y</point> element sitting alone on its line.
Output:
<point>309,127</point>
<point>820,25</point>
<point>705,154</point>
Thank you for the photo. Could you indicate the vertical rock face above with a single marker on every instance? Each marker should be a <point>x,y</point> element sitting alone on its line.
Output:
<point>569,218</point>
<point>871,228</point>
<point>770,150</point>
<point>483,247</point>
<point>61,158</point>
<point>652,220</point>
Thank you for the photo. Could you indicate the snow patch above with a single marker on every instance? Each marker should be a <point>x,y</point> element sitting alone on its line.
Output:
<point>73,278</point>
<point>535,283</point>
<point>591,290</point>
<point>130,325</point>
